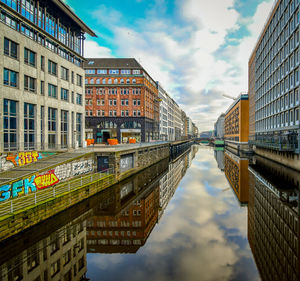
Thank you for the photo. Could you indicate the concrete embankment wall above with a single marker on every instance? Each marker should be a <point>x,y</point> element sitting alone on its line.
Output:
<point>288,159</point>
<point>123,163</point>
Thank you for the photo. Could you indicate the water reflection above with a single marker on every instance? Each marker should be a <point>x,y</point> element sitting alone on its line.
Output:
<point>117,220</point>
<point>273,220</point>
<point>236,172</point>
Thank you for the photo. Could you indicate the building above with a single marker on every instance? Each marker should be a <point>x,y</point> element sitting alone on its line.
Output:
<point>121,100</point>
<point>189,123</point>
<point>163,113</point>
<point>42,91</point>
<point>236,124</point>
<point>219,127</point>
<point>275,59</point>
<point>183,125</point>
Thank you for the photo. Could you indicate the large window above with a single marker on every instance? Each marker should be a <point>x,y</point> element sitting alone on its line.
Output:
<point>29,57</point>
<point>113,71</point>
<point>52,117</point>
<point>10,78</point>
<point>101,71</point>
<point>64,73</point>
<point>11,3</point>
<point>64,128</point>
<point>78,127</point>
<point>79,99</point>
<point>27,9</point>
<point>10,48</point>
<point>64,94</point>
<point>29,126</point>
<point>79,80</point>
<point>10,125</point>
<point>29,84</point>
<point>52,91</point>
<point>52,67</point>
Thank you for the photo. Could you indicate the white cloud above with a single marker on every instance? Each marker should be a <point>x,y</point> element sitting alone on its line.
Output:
<point>183,57</point>
<point>93,50</point>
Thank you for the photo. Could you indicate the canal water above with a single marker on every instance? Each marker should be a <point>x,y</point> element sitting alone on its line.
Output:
<point>207,215</point>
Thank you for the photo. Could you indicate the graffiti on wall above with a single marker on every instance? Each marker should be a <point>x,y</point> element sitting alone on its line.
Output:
<point>46,179</point>
<point>19,159</point>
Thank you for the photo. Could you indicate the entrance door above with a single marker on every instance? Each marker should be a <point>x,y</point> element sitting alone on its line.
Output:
<point>106,136</point>
<point>102,163</point>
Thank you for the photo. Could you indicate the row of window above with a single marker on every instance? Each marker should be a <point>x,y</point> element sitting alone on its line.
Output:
<point>11,130</point>
<point>124,102</point>
<point>33,34</point>
<point>109,81</point>
<point>113,71</point>
<point>113,242</point>
<point>114,91</point>
<point>30,58</point>
<point>135,113</point>
<point>284,119</point>
<point>10,78</point>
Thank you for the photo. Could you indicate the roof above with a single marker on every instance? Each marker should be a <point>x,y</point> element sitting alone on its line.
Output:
<point>66,9</point>
<point>111,63</point>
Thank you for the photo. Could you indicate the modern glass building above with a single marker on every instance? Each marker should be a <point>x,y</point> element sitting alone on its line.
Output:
<point>275,65</point>
<point>41,84</point>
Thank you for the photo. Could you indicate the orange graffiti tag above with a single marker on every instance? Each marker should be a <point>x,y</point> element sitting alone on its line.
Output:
<point>46,180</point>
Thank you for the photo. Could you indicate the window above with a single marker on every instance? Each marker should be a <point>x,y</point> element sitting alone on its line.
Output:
<point>52,91</point>
<point>101,71</point>
<point>79,80</point>
<point>125,71</point>
<point>109,81</point>
<point>29,57</point>
<point>104,81</point>
<point>98,81</point>
<point>90,71</point>
<point>42,63</point>
<point>92,81</point>
<point>64,94</point>
<point>64,73</point>
<point>133,81</point>
<point>10,78</point>
<point>122,81</point>
<point>29,126</point>
<point>10,48</point>
<point>113,71</point>
<point>55,268</point>
<point>78,127</point>
<point>52,116</point>
<point>136,71</point>
<point>64,128</point>
<point>42,88</point>
<point>72,77</point>
<point>52,67</point>
<point>127,81</point>
<point>10,125</point>
<point>116,81</point>
<point>78,99</point>
<point>29,83</point>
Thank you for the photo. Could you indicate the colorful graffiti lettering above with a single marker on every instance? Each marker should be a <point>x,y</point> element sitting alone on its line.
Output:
<point>46,180</point>
<point>24,158</point>
<point>16,189</point>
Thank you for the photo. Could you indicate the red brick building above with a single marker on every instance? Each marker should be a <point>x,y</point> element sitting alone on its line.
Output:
<point>121,100</point>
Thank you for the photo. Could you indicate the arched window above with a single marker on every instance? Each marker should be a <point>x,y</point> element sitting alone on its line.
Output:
<point>109,81</point>
<point>122,81</point>
<point>98,81</point>
<point>127,81</point>
<point>133,81</point>
<point>92,81</point>
<point>116,81</point>
<point>104,81</point>
<point>86,81</point>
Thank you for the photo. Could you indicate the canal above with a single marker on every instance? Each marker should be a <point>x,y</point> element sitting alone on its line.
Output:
<point>206,215</point>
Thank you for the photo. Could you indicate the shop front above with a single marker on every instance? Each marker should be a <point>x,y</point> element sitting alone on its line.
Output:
<point>127,134</point>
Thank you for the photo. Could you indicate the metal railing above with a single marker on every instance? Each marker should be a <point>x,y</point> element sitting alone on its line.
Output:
<point>40,196</point>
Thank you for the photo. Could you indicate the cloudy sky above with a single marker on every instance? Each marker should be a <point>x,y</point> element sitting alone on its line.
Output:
<point>197,49</point>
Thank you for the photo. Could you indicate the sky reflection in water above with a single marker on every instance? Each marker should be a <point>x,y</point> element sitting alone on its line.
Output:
<point>202,235</point>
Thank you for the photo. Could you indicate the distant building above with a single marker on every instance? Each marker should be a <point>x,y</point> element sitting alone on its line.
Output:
<point>42,91</point>
<point>206,134</point>
<point>219,127</point>
<point>121,100</point>
<point>236,124</point>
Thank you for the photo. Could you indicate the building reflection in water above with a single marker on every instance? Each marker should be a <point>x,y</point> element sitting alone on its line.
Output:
<point>273,220</point>
<point>236,172</point>
<point>117,220</point>
<point>219,156</point>
<point>140,205</point>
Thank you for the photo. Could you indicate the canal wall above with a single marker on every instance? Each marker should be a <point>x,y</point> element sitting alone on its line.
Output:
<point>69,183</point>
<point>288,159</point>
